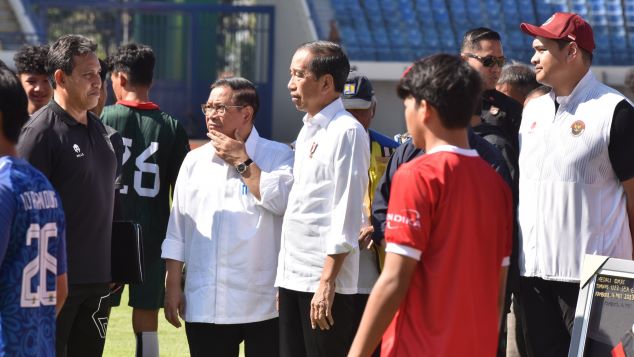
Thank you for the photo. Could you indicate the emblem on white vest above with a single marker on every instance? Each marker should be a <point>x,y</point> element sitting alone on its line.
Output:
<point>577,128</point>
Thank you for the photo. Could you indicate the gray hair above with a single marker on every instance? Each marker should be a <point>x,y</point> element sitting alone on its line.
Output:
<point>520,76</point>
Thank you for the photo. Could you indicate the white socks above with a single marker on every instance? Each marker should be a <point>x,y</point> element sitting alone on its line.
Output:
<point>147,344</point>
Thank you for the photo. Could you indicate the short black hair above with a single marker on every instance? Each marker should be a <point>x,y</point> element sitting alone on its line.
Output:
<point>31,59</point>
<point>585,55</point>
<point>104,70</point>
<point>471,39</point>
<point>13,104</point>
<point>447,83</point>
<point>244,92</point>
<point>520,76</point>
<point>328,58</point>
<point>62,51</point>
<point>136,60</point>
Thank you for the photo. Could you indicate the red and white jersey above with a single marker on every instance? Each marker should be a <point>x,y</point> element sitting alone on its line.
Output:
<point>453,213</point>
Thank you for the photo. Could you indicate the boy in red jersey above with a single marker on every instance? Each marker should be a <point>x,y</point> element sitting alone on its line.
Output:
<point>448,232</point>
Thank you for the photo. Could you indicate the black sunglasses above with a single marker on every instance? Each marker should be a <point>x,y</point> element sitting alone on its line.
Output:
<point>488,61</point>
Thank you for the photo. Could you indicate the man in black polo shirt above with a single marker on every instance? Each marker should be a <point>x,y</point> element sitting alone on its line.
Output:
<point>71,147</point>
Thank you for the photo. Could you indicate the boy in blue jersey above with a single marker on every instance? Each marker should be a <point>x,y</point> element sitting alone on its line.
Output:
<point>32,249</point>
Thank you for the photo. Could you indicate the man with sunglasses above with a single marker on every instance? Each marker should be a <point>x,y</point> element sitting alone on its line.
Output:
<point>225,225</point>
<point>482,49</point>
<point>500,120</point>
<point>577,185</point>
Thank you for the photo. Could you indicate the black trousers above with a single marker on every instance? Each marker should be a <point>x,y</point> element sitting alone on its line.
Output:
<point>547,310</point>
<point>261,339</point>
<point>360,301</point>
<point>298,339</point>
<point>83,320</point>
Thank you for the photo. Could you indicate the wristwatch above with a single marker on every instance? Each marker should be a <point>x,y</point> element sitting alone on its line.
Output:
<point>241,168</point>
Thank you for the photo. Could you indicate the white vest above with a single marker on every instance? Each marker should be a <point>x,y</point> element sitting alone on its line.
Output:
<point>570,201</point>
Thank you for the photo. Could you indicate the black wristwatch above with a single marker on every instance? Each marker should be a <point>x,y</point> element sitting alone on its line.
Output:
<point>241,168</point>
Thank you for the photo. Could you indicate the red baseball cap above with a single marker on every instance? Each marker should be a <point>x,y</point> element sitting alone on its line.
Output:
<point>564,25</point>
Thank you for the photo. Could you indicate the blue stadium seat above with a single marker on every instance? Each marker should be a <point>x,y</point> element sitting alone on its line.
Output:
<point>442,17</point>
<point>457,7</point>
<point>581,9</point>
<point>375,19</point>
<point>597,20</point>
<point>401,30</point>
<point>615,19</point>
<point>601,37</point>
<point>384,54</point>
<point>372,5</point>
<point>431,39</point>
<point>516,38</point>
<point>618,38</point>
<point>614,8</point>
<point>602,57</point>
<point>448,40</point>
<point>396,37</point>
<point>380,36</point>
<point>493,7</point>
<point>387,5</point>
<point>511,18</point>
<point>338,5</point>
<point>423,7</point>
<point>409,17</point>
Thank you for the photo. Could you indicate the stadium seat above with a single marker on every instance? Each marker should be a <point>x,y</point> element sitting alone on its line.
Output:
<point>395,30</point>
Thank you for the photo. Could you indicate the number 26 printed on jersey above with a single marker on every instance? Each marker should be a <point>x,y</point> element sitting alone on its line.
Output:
<point>143,168</point>
<point>43,263</point>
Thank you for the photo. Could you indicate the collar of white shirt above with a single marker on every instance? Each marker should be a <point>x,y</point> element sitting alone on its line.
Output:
<point>325,115</point>
<point>252,142</point>
<point>587,79</point>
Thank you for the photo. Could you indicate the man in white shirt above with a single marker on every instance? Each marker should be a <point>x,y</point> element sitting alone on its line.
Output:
<point>225,225</point>
<point>319,258</point>
<point>577,184</point>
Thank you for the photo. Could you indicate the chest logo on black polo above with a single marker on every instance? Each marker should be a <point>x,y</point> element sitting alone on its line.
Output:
<point>577,128</point>
<point>77,150</point>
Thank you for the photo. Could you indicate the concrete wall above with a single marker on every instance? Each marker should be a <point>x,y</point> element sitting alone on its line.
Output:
<point>389,119</point>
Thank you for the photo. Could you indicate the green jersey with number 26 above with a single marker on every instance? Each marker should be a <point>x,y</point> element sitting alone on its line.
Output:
<point>155,146</point>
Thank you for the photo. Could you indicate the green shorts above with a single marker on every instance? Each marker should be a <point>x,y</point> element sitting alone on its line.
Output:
<point>150,294</point>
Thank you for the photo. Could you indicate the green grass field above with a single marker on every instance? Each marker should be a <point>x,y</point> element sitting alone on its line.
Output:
<point>120,340</point>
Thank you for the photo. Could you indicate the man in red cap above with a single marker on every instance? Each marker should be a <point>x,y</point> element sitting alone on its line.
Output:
<point>577,182</point>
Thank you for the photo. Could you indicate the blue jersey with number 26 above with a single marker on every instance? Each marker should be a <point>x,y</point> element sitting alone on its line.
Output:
<point>32,255</point>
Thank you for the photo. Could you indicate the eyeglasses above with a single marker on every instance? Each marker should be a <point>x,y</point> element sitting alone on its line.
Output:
<point>219,108</point>
<point>488,61</point>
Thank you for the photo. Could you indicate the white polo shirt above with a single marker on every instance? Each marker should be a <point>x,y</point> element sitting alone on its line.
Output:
<point>325,204</point>
<point>228,240</point>
<point>571,202</point>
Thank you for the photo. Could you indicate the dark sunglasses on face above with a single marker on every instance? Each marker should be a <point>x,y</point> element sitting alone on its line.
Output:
<point>488,61</point>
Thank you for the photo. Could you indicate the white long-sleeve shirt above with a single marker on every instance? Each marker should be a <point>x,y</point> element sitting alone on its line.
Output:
<point>227,239</point>
<point>325,204</point>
